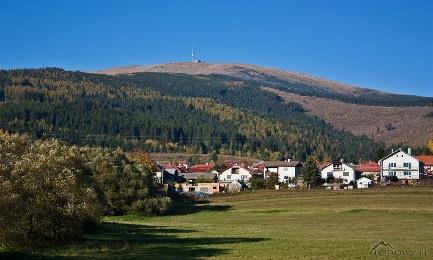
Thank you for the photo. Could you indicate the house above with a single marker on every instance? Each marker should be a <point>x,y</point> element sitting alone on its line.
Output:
<point>402,165</point>
<point>235,173</point>
<point>340,170</point>
<point>369,169</point>
<point>363,183</point>
<point>427,160</point>
<point>284,169</point>
<point>208,188</point>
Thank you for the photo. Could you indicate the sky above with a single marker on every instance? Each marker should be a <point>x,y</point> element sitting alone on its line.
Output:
<point>380,44</point>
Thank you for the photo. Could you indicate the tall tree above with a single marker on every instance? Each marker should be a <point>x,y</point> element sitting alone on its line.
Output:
<point>310,172</point>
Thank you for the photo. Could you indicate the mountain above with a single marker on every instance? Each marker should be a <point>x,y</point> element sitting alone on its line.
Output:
<point>391,118</point>
<point>169,112</point>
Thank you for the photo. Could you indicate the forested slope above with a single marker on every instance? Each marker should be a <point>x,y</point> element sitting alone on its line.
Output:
<point>162,112</point>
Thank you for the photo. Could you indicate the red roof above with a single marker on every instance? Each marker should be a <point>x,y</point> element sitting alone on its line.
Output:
<point>426,159</point>
<point>204,167</point>
<point>368,167</point>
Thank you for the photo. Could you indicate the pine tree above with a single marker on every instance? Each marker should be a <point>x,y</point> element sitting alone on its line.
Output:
<point>310,172</point>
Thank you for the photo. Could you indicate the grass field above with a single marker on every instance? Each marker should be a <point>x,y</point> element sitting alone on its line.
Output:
<point>270,225</point>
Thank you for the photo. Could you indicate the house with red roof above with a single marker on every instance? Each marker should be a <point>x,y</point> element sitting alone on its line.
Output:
<point>427,160</point>
<point>369,169</point>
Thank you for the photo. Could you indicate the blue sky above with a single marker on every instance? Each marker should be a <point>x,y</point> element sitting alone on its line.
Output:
<point>382,44</point>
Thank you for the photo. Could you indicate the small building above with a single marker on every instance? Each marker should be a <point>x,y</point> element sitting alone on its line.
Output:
<point>340,170</point>
<point>235,173</point>
<point>369,169</point>
<point>284,169</point>
<point>402,165</point>
<point>364,183</point>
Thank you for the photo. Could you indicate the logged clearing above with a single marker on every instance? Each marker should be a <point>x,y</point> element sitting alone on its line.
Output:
<point>270,225</point>
<point>392,125</point>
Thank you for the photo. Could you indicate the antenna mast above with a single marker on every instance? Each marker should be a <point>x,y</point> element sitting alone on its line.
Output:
<point>192,53</point>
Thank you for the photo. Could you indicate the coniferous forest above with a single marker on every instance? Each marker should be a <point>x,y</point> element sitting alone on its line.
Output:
<point>160,112</point>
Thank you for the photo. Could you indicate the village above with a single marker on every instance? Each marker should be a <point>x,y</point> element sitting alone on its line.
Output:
<point>397,168</point>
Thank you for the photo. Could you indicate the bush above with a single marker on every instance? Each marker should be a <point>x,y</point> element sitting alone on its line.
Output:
<point>257,182</point>
<point>271,181</point>
<point>46,196</point>
<point>152,206</point>
<point>121,180</point>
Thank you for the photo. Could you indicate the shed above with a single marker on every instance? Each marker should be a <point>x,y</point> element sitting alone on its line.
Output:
<point>364,183</point>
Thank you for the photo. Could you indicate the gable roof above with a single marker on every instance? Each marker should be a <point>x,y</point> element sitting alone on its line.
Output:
<point>281,163</point>
<point>395,152</point>
<point>238,166</point>
<point>426,159</point>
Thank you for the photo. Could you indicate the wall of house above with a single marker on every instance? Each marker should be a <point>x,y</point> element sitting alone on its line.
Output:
<point>228,176</point>
<point>346,173</point>
<point>284,173</point>
<point>400,170</point>
<point>209,188</point>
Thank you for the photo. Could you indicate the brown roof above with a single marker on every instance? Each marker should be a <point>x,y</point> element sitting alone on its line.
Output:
<point>426,159</point>
<point>281,163</point>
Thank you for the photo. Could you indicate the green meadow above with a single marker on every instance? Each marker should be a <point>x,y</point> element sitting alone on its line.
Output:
<point>315,224</point>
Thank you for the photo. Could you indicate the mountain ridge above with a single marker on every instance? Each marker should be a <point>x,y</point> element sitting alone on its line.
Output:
<point>248,72</point>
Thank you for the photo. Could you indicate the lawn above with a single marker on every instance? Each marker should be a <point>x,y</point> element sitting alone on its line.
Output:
<point>271,225</point>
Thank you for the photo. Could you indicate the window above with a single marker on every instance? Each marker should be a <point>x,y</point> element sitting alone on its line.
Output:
<point>244,177</point>
<point>346,174</point>
<point>204,190</point>
<point>407,165</point>
<point>286,177</point>
<point>235,170</point>
<point>407,173</point>
<point>285,169</point>
<point>390,165</point>
<point>392,173</point>
<point>229,177</point>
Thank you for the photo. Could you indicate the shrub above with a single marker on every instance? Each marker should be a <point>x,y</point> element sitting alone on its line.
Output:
<point>271,181</point>
<point>121,180</point>
<point>257,182</point>
<point>47,196</point>
<point>152,206</point>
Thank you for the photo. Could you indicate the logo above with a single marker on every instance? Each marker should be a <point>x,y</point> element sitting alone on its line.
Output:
<point>380,245</point>
<point>383,248</point>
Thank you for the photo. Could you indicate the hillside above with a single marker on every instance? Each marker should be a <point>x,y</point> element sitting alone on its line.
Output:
<point>161,112</point>
<point>392,125</point>
<point>385,117</point>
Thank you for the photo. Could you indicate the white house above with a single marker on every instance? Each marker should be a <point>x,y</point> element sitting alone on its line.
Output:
<point>340,170</point>
<point>363,183</point>
<point>401,164</point>
<point>284,169</point>
<point>235,173</point>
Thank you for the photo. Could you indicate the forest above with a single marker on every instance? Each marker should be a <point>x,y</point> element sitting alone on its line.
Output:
<point>161,112</point>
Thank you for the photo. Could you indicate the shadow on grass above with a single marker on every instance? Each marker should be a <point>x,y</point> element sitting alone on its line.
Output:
<point>130,241</point>
<point>184,208</point>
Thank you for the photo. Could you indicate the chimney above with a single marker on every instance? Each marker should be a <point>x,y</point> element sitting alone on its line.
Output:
<point>392,150</point>
<point>342,160</point>
<point>289,160</point>
<point>409,151</point>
